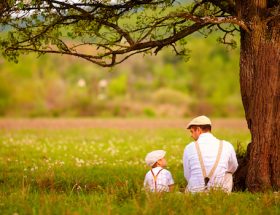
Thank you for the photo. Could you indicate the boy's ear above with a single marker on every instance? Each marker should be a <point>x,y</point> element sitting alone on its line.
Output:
<point>155,165</point>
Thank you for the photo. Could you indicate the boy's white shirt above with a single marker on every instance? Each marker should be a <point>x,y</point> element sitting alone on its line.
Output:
<point>209,148</point>
<point>164,180</point>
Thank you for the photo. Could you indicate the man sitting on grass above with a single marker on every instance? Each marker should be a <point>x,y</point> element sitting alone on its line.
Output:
<point>208,162</point>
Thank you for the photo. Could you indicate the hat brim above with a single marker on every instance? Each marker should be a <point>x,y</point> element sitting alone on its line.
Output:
<point>189,126</point>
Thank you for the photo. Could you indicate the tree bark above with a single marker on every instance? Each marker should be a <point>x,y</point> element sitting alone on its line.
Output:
<point>260,91</point>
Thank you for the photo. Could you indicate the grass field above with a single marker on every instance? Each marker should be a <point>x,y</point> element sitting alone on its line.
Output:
<point>97,167</point>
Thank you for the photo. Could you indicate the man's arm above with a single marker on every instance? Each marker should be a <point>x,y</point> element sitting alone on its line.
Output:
<point>232,163</point>
<point>186,165</point>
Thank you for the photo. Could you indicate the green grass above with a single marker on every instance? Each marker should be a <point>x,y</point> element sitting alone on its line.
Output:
<point>101,171</point>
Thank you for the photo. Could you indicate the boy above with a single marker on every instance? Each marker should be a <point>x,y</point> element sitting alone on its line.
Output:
<point>158,179</point>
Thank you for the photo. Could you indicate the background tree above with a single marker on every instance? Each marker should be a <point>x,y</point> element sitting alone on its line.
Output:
<point>117,30</point>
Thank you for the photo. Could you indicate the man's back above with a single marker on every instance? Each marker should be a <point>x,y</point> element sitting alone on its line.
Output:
<point>209,146</point>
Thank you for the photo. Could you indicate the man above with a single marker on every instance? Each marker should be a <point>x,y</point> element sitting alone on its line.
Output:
<point>208,162</point>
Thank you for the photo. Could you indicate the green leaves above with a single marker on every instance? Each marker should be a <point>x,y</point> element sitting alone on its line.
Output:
<point>117,30</point>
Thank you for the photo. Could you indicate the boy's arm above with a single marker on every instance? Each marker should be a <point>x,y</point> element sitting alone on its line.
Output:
<point>171,187</point>
<point>170,181</point>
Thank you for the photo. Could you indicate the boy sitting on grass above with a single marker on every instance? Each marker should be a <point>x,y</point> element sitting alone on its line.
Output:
<point>158,179</point>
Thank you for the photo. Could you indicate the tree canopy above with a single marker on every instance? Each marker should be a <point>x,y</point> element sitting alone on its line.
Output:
<point>114,29</point>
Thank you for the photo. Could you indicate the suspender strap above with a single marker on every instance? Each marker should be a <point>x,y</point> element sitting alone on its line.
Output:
<point>155,178</point>
<point>207,178</point>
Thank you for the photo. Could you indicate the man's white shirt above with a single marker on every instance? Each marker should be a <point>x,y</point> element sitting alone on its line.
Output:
<point>164,179</point>
<point>209,146</point>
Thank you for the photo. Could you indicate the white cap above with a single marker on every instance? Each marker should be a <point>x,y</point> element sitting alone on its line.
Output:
<point>154,156</point>
<point>200,120</point>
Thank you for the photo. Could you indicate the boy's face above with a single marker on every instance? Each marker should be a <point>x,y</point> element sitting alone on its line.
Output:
<point>162,162</point>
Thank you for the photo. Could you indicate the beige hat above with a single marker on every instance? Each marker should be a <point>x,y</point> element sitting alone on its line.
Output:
<point>154,156</point>
<point>200,120</point>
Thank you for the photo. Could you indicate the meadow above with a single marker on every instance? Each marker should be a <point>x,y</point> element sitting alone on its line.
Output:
<point>100,170</point>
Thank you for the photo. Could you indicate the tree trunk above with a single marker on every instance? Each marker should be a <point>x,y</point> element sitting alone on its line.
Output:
<point>260,90</point>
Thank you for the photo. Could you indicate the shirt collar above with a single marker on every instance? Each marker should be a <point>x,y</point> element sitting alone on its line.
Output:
<point>157,168</point>
<point>205,135</point>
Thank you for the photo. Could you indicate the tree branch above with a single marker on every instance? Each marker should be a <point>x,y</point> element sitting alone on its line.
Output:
<point>101,26</point>
<point>215,20</point>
